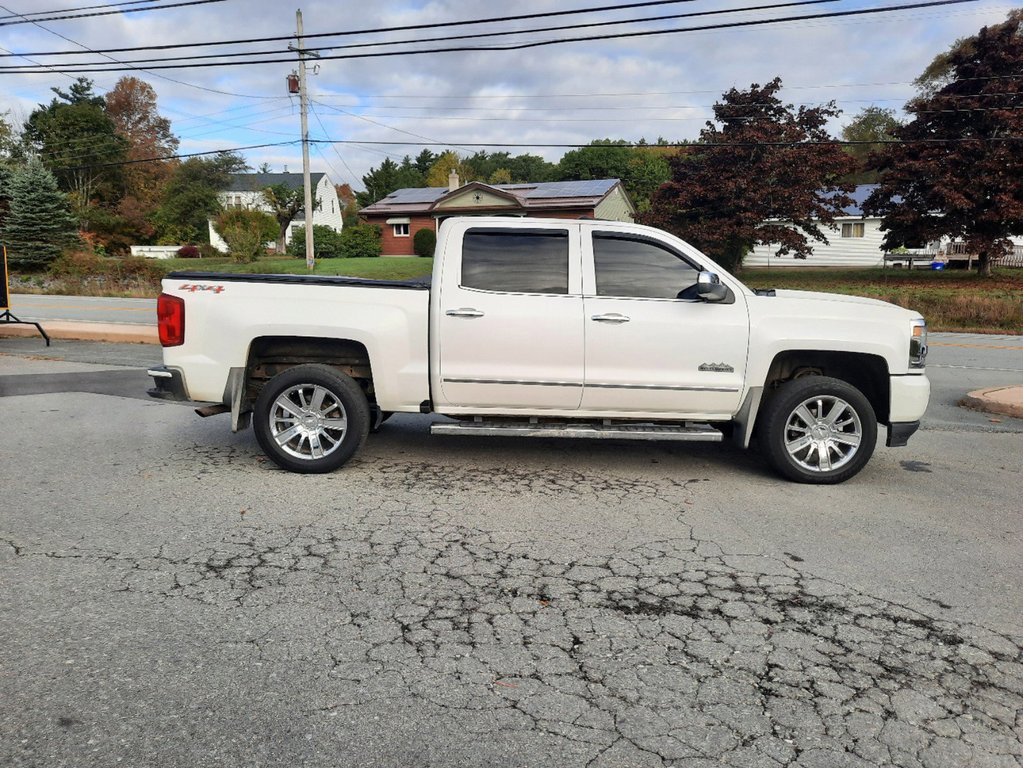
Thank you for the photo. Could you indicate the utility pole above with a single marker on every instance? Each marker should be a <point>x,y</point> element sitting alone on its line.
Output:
<point>310,254</point>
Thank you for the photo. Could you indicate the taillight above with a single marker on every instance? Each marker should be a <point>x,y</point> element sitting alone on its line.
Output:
<point>170,315</point>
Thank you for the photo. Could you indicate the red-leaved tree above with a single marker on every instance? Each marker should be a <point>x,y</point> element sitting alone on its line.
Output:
<point>958,171</point>
<point>760,164</point>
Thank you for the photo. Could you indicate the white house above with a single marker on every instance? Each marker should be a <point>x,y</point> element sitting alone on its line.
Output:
<point>246,191</point>
<point>854,241</point>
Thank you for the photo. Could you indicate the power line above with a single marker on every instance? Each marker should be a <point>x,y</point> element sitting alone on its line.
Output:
<point>99,13</point>
<point>76,10</point>
<point>81,69</point>
<point>178,156</point>
<point>208,56</point>
<point>57,68</point>
<point>403,28</point>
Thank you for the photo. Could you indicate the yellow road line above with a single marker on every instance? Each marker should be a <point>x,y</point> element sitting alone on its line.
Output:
<point>972,346</point>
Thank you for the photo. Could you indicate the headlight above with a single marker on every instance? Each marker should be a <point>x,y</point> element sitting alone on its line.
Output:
<point>918,344</point>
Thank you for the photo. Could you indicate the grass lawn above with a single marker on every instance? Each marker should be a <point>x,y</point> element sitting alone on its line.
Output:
<point>383,268</point>
<point>950,300</point>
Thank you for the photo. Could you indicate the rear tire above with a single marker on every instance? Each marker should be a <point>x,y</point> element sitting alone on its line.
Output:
<point>311,419</point>
<point>819,430</point>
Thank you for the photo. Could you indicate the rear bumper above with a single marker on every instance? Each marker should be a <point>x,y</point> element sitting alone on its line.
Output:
<point>169,384</point>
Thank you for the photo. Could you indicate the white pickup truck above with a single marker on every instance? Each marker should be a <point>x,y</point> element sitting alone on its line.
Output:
<point>547,328</point>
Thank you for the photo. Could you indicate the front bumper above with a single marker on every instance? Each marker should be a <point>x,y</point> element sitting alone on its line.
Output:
<point>170,384</point>
<point>899,433</point>
<point>909,396</point>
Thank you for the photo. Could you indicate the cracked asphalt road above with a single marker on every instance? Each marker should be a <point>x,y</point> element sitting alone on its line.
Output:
<point>171,599</point>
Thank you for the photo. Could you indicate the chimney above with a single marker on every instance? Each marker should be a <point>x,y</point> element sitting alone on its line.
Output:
<point>453,181</point>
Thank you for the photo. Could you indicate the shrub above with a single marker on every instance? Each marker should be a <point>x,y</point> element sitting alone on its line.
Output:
<point>425,242</point>
<point>362,241</point>
<point>189,252</point>
<point>326,242</point>
<point>77,265</point>
<point>208,251</point>
<point>246,232</point>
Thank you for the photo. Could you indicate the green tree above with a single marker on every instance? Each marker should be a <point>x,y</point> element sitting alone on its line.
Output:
<point>955,173</point>
<point>379,183</point>
<point>285,202</point>
<point>76,139</point>
<point>38,225</point>
<point>872,125</point>
<point>190,197</point>
<point>759,164</point>
<point>246,232</point>
<point>6,177</point>
<point>641,170</point>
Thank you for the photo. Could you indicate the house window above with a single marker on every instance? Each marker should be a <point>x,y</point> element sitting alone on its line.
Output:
<point>852,229</point>
<point>400,230</point>
<point>237,201</point>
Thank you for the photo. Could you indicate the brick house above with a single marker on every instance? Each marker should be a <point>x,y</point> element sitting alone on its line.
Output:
<point>404,212</point>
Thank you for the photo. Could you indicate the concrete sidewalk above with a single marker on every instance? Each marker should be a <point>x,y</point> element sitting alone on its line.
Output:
<point>82,331</point>
<point>1007,401</point>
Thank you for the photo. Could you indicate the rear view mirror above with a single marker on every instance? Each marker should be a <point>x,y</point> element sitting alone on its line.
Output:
<point>710,287</point>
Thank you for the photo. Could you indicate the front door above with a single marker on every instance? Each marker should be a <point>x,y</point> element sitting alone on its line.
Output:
<point>510,323</point>
<point>651,344</point>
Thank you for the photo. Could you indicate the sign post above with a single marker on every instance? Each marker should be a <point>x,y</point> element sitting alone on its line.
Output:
<point>5,300</point>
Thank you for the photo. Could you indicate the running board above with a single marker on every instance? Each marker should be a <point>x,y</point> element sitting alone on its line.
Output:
<point>691,432</point>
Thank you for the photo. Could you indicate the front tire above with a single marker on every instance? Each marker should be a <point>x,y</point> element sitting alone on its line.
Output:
<point>311,419</point>
<point>819,430</point>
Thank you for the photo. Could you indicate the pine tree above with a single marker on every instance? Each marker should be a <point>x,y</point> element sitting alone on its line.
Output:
<point>38,225</point>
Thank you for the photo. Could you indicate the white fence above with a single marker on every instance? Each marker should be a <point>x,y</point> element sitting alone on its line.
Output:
<point>155,251</point>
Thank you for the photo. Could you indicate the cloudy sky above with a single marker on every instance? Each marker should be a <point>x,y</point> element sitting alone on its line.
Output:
<point>631,88</point>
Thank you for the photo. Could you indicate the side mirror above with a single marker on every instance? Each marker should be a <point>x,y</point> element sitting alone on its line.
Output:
<point>710,287</point>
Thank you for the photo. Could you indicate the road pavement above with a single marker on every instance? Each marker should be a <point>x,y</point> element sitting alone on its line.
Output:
<point>172,599</point>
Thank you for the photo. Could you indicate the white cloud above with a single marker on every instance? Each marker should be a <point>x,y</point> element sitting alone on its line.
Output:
<point>489,97</point>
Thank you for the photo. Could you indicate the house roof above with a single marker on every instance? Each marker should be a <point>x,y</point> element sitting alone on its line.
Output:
<point>543,195</point>
<point>859,195</point>
<point>256,182</point>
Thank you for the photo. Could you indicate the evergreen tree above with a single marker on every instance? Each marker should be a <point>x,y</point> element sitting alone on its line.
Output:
<point>38,225</point>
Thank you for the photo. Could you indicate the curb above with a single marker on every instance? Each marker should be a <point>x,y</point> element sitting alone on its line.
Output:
<point>62,329</point>
<point>1007,401</point>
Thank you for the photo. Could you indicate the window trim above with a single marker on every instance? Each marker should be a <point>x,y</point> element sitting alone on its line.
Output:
<point>404,225</point>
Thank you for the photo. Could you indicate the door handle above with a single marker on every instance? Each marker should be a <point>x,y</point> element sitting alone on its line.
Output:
<point>464,312</point>
<point>612,317</point>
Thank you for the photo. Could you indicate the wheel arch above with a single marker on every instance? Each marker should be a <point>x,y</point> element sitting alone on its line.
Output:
<point>867,372</point>
<point>270,355</point>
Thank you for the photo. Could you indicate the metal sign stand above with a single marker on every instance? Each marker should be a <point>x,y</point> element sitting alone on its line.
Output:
<point>6,317</point>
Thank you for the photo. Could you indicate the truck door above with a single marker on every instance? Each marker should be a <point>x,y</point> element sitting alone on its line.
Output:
<point>651,344</point>
<point>509,319</point>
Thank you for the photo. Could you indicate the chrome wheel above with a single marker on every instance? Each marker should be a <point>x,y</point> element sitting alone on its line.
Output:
<point>818,429</point>
<point>308,421</point>
<point>823,433</point>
